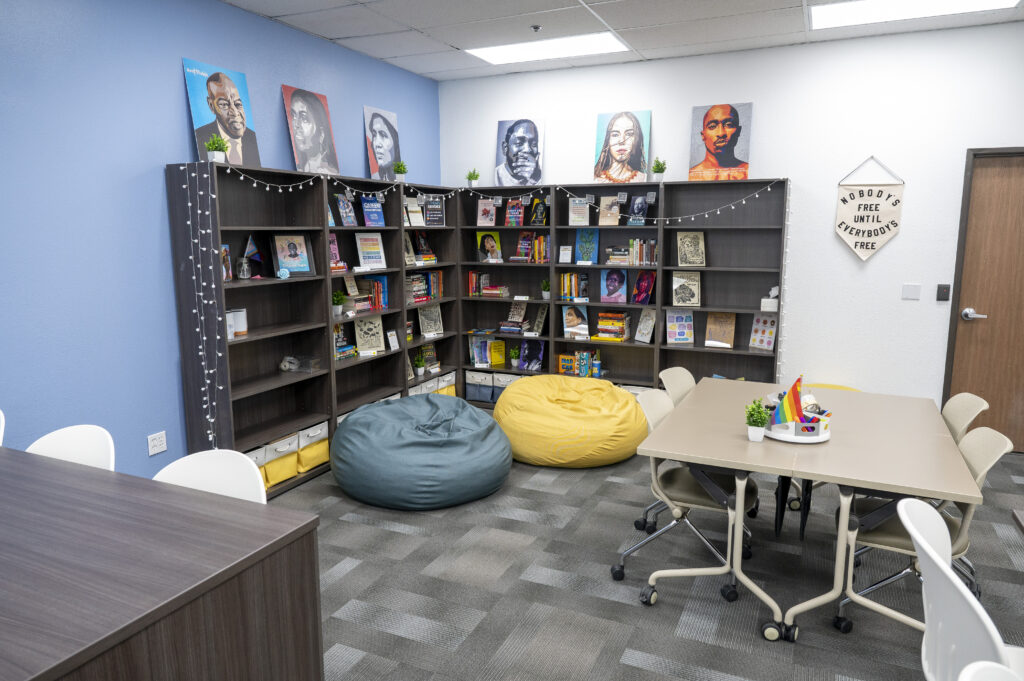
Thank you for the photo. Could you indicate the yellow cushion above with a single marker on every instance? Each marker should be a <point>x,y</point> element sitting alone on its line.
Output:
<point>314,454</point>
<point>570,422</point>
<point>280,469</point>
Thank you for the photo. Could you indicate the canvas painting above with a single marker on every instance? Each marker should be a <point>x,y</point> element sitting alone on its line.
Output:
<point>382,147</point>
<point>517,154</point>
<point>219,102</point>
<point>309,125</point>
<point>720,142</point>
<point>622,149</point>
<point>489,245</point>
<point>574,321</point>
<point>613,286</point>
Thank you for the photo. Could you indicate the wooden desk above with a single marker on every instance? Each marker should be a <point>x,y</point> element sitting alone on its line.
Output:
<point>880,442</point>
<point>108,576</point>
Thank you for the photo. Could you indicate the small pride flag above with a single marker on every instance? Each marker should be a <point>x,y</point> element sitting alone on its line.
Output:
<point>251,251</point>
<point>789,408</point>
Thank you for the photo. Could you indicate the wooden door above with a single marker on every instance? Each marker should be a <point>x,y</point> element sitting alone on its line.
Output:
<point>986,355</point>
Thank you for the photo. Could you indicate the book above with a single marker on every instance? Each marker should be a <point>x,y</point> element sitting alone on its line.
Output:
<point>430,319</point>
<point>373,212</point>
<point>643,287</point>
<point>346,213</point>
<point>565,254</point>
<point>488,245</point>
<point>686,289</point>
<point>434,210</point>
<point>579,212</point>
<point>485,213</point>
<point>645,327</point>
<point>524,247</point>
<point>721,327</point>
<point>609,213</point>
<point>421,248</point>
<point>413,212</point>
<point>539,213</point>
<point>496,353</point>
<point>517,311</point>
<point>638,210</point>
<point>407,250</point>
<point>575,285</point>
<point>531,355</point>
<point>574,322</point>
<point>370,248</point>
<point>613,286</point>
<point>586,245</point>
<point>678,326</point>
<point>764,331</point>
<point>334,254</point>
<point>369,333</point>
<point>690,249</point>
<point>351,288</point>
<point>538,323</point>
<point>514,213</point>
<point>225,262</point>
<point>374,288</point>
<point>430,360</point>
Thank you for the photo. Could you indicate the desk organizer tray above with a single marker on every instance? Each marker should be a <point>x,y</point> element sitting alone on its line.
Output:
<point>798,432</point>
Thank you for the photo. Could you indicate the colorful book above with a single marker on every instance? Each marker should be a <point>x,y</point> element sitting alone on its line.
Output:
<point>225,262</point>
<point>496,353</point>
<point>678,326</point>
<point>514,213</point>
<point>485,213</point>
<point>764,331</point>
<point>413,212</point>
<point>586,245</point>
<point>434,210</point>
<point>579,212</point>
<point>638,210</point>
<point>421,248</point>
<point>609,214</point>
<point>721,328</point>
<point>645,328</point>
<point>524,247</point>
<point>686,289</point>
<point>531,355</point>
<point>488,246</point>
<point>538,213</point>
<point>346,213</point>
<point>430,360</point>
<point>373,212</point>
<point>370,248</point>
<point>334,254</point>
<point>643,287</point>
<point>574,322</point>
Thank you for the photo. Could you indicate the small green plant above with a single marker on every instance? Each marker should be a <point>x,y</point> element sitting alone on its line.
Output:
<point>658,166</point>
<point>473,174</point>
<point>337,298</point>
<point>513,354</point>
<point>401,168</point>
<point>418,361</point>
<point>545,285</point>
<point>757,415</point>
<point>216,143</point>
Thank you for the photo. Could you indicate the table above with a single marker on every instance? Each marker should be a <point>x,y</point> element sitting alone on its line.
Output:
<point>110,576</point>
<point>891,444</point>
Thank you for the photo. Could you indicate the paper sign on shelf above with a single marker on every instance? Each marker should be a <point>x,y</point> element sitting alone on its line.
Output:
<point>433,335</point>
<point>367,353</point>
<point>393,340</point>
<point>350,313</point>
<point>581,300</point>
<point>584,262</point>
<point>520,297</point>
<point>530,334</point>
<point>481,366</point>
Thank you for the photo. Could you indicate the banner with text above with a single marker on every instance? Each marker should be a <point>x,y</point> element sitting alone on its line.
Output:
<point>868,216</point>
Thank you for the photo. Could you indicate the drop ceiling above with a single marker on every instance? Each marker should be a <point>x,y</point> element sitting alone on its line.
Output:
<point>429,37</point>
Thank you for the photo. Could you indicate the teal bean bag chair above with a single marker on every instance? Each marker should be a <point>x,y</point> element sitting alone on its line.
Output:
<point>419,453</point>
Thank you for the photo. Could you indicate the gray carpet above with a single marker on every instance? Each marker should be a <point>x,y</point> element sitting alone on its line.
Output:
<point>516,587</point>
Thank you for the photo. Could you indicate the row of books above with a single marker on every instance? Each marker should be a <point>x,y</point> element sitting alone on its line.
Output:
<point>612,326</point>
<point>609,211</point>
<point>418,249</point>
<point>720,329</point>
<point>514,208</point>
<point>636,252</point>
<point>494,353</point>
<point>429,215</point>
<point>343,212</point>
<point>372,293</point>
<point>579,363</point>
<point>423,286</point>
<point>480,284</point>
<point>531,247</point>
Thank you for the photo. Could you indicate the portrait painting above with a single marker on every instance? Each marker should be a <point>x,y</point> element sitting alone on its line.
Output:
<point>382,148</point>
<point>622,149</point>
<point>219,102</point>
<point>291,252</point>
<point>720,142</point>
<point>309,125</point>
<point>488,246</point>
<point>518,152</point>
<point>613,286</point>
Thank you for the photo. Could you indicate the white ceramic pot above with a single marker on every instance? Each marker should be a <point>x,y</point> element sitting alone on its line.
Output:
<point>338,311</point>
<point>755,433</point>
<point>657,177</point>
<point>216,156</point>
<point>420,370</point>
<point>473,183</point>
<point>545,295</point>
<point>400,177</point>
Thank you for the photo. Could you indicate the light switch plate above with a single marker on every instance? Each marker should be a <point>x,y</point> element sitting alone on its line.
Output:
<point>911,292</point>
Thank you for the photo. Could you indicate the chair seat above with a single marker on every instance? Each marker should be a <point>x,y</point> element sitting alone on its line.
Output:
<point>892,536</point>
<point>1015,659</point>
<point>684,489</point>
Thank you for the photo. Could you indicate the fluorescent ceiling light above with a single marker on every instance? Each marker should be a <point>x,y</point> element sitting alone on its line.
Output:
<point>876,11</point>
<point>555,48</point>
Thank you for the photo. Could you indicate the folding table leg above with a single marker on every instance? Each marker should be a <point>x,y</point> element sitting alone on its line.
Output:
<point>781,499</point>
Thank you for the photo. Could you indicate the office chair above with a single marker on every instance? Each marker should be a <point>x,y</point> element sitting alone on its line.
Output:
<point>960,411</point>
<point>957,631</point>
<point>987,671</point>
<point>678,383</point>
<point>85,444</point>
<point>220,471</point>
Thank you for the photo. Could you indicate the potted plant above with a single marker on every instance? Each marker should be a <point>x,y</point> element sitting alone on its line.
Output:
<point>337,304</point>
<point>419,364</point>
<point>473,176</point>
<point>513,357</point>
<point>757,419</point>
<point>400,170</point>
<point>545,289</point>
<point>658,169</point>
<point>216,149</point>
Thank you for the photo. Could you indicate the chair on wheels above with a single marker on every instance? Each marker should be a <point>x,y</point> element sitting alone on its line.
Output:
<point>988,671</point>
<point>678,383</point>
<point>881,529</point>
<point>220,471</point>
<point>681,489</point>
<point>960,411</point>
<point>85,444</point>
<point>958,631</point>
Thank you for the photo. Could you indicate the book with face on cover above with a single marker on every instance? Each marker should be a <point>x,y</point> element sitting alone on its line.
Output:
<point>538,213</point>
<point>485,213</point>
<point>609,214</point>
<point>579,212</point>
<point>638,210</point>
<point>346,214</point>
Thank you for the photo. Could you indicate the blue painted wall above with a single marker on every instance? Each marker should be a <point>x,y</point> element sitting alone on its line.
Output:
<point>92,107</point>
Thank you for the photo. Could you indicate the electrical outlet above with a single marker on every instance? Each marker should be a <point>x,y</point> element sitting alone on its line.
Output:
<point>157,442</point>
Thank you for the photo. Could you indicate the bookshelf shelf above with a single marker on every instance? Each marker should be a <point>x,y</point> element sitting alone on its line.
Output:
<point>503,370</point>
<point>383,270</point>
<point>722,269</point>
<point>417,342</point>
<point>627,306</point>
<point>419,380</point>
<point>349,400</point>
<point>340,364</point>
<point>605,266</point>
<point>268,281</point>
<point>269,228</point>
<point>273,429</point>
<point>443,299</point>
<point>262,384</point>
<point>274,330</point>
<point>697,347</point>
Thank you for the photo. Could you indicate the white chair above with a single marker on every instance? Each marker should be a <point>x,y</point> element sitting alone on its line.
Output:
<point>959,411</point>
<point>678,383</point>
<point>657,404</point>
<point>2,423</point>
<point>220,471</point>
<point>987,671</point>
<point>958,631</point>
<point>85,444</point>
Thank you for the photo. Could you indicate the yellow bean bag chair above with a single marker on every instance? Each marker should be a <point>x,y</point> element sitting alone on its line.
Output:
<point>570,422</point>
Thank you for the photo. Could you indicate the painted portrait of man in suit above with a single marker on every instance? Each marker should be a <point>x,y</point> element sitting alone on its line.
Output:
<point>224,96</point>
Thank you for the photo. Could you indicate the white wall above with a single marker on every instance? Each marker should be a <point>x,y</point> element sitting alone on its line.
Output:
<point>916,101</point>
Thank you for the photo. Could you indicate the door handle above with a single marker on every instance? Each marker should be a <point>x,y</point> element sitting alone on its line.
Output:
<point>968,314</point>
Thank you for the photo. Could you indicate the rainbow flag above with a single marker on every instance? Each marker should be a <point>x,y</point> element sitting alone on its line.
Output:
<point>789,408</point>
<point>251,251</point>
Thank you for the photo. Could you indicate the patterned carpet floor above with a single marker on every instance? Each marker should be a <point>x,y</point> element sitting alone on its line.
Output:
<point>516,587</point>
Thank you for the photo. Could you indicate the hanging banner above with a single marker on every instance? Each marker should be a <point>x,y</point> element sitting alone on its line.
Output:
<point>869,215</point>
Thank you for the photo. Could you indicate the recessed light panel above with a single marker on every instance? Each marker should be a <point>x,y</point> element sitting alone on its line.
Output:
<point>877,11</point>
<point>555,48</point>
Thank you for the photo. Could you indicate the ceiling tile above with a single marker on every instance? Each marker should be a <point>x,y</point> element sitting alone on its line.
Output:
<point>437,61</point>
<point>276,8</point>
<point>457,74</point>
<point>430,13</point>
<point>342,22</point>
<point>597,59</point>
<point>725,46</point>
<point>639,13</point>
<point>714,30</point>
<point>399,44</point>
<point>555,24</point>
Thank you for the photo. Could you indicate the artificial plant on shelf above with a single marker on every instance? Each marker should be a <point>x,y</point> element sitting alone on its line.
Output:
<point>400,170</point>
<point>545,289</point>
<point>658,169</point>
<point>418,363</point>
<point>757,419</point>
<point>216,148</point>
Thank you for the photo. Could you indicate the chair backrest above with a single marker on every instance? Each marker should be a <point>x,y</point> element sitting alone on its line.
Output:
<point>656,405</point>
<point>220,471</point>
<point>987,671</point>
<point>678,383</point>
<point>85,444</point>
<point>982,448</point>
<point>958,631</point>
<point>3,422</point>
<point>959,411</point>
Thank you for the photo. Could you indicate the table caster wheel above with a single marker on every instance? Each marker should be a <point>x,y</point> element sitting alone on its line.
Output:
<point>618,572</point>
<point>747,553</point>
<point>790,632</point>
<point>771,631</point>
<point>640,523</point>
<point>651,527</point>
<point>843,624</point>
<point>649,595</point>
<point>752,513</point>
<point>794,503</point>
<point>729,592</point>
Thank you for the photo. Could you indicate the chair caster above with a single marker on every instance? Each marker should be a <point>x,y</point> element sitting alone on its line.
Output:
<point>790,632</point>
<point>844,625</point>
<point>729,592</point>
<point>752,513</point>
<point>747,553</point>
<point>771,631</point>
<point>976,590</point>
<point>618,572</point>
<point>794,503</point>
<point>640,523</point>
<point>856,561</point>
<point>651,527</point>
<point>649,595</point>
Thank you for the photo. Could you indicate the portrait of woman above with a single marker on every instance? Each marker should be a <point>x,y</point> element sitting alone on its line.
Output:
<point>310,127</point>
<point>612,282</point>
<point>489,246</point>
<point>574,322</point>
<point>382,147</point>
<point>622,145</point>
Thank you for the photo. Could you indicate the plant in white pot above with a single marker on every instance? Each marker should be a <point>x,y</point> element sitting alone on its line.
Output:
<point>473,176</point>
<point>419,364</point>
<point>757,419</point>
<point>400,170</point>
<point>545,290</point>
<point>216,149</point>
<point>658,169</point>
<point>338,304</point>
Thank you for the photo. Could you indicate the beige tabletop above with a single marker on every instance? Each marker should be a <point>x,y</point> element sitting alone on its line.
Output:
<point>881,442</point>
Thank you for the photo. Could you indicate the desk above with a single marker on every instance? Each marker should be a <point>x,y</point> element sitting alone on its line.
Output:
<point>109,576</point>
<point>879,442</point>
